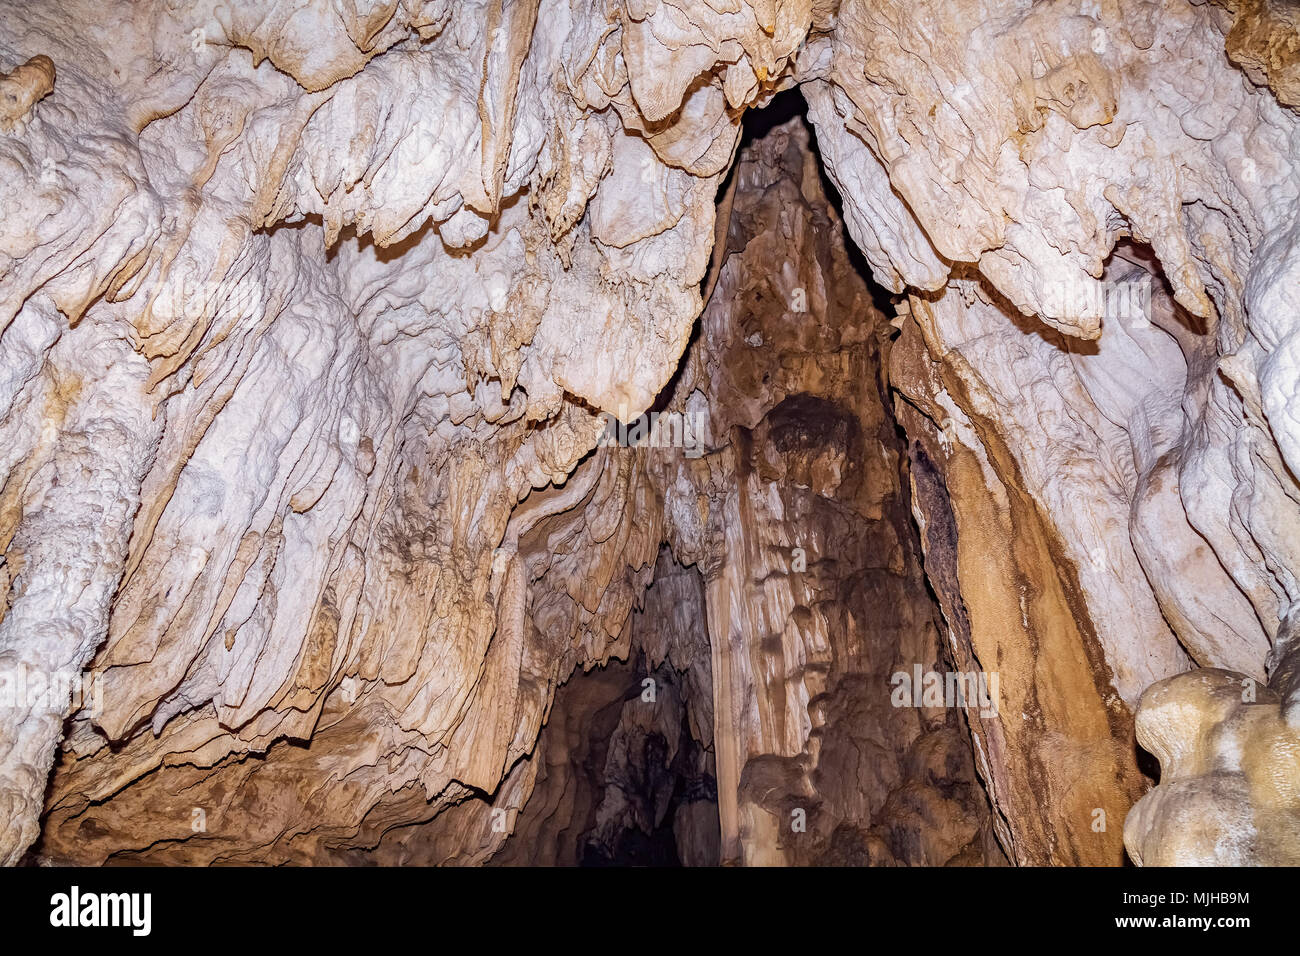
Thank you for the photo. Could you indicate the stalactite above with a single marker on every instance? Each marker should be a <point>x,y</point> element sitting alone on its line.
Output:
<point>315,319</point>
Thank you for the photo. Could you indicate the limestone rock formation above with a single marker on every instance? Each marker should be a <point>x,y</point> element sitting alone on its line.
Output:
<point>22,88</point>
<point>313,316</point>
<point>814,592</point>
<point>1265,43</point>
<point>1229,753</point>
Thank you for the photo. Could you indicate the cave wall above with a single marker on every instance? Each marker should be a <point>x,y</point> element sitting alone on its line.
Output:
<point>814,590</point>
<point>626,766</point>
<point>1109,487</point>
<point>308,314</point>
<point>803,592</point>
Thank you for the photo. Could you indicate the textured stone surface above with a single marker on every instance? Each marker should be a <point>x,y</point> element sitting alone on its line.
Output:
<point>1265,43</point>
<point>814,593</point>
<point>1229,751</point>
<point>308,313</point>
<point>1110,503</point>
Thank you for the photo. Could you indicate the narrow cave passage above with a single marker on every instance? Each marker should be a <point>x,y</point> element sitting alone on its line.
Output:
<point>788,594</point>
<point>626,767</point>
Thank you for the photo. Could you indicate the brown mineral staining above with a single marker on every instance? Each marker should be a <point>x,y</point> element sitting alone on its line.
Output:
<point>23,88</point>
<point>1265,43</point>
